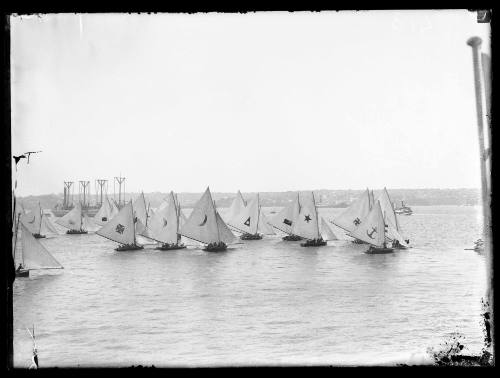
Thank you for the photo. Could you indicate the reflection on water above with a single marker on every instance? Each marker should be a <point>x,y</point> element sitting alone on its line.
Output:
<point>262,302</point>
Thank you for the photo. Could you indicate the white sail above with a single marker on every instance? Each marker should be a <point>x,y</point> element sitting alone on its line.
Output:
<point>163,225</point>
<point>372,199</point>
<point>202,222</point>
<point>182,218</point>
<point>141,213</point>
<point>392,233</point>
<point>388,208</point>
<point>236,208</point>
<point>105,213</point>
<point>326,231</point>
<point>352,217</point>
<point>114,208</point>
<point>32,220</point>
<point>73,219</point>
<point>47,226</point>
<point>121,228</point>
<point>248,219</point>
<point>372,228</point>
<point>305,223</point>
<point>34,254</point>
<point>283,220</point>
<point>224,232</point>
<point>264,226</point>
<point>89,224</point>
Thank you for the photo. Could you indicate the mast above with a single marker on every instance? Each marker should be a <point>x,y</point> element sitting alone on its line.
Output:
<point>216,222</point>
<point>41,215</point>
<point>316,212</point>
<point>132,211</point>
<point>15,239</point>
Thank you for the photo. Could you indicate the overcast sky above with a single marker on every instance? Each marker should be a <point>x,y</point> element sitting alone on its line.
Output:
<point>267,101</point>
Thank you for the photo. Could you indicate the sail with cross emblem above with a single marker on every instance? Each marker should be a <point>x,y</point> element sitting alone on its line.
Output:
<point>372,228</point>
<point>352,217</point>
<point>73,219</point>
<point>305,223</point>
<point>121,228</point>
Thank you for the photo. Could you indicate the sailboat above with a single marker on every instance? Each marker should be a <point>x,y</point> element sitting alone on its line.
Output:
<point>107,211</point>
<point>351,218</point>
<point>140,214</point>
<point>283,220</point>
<point>73,220</point>
<point>237,207</point>
<point>164,226</point>
<point>306,224</point>
<point>205,225</point>
<point>372,230</point>
<point>33,255</point>
<point>394,232</point>
<point>251,221</point>
<point>121,229</point>
<point>37,223</point>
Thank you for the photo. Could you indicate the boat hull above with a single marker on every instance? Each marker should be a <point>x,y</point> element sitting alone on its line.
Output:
<point>251,237</point>
<point>133,247</point>
<point>291,238</point>
<point>22,273</point>
<point>38,236</point>
<point>216,248</point>
<point>379,251</point>
<point>313,243</point>
<point>76,232</point>
<point>170,247</point>
<point>357,241</point>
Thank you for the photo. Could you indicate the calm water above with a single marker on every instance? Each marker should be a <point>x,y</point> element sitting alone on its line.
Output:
<point>263,302</point>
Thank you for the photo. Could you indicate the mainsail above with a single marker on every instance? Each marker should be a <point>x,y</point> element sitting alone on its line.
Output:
<point>264,227</point>
<point>204,223</point>
<point>283,220</point>
<point>225,233</point>
<point>236,209</point>
<point>121,228</point>
<point>326,231</point>
<point>32,220</point>
<point>34,255</point>
<point>372,228</point>
<point>73,219</point>
<point>140,213</point>
<point>247,220</point>
<point>305,223</point>
<point>104,214</point>
<point>164,224</point>
<point>352,217</point>
<point>394,231</point>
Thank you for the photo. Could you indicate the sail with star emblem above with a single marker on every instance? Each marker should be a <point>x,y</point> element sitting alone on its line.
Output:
<point>121,228</point>
<point>305,223</point>
<point>237,207</point>
<point>164,224</point>
<point>204,224</point>
<point>73,219</point>
<point>372,228</point>
<point>283,221</point>
<point>248,219</point>
<point>352,217</point>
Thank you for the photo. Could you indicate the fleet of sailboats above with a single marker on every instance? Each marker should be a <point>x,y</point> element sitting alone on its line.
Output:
<point>367,220</point>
